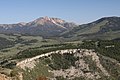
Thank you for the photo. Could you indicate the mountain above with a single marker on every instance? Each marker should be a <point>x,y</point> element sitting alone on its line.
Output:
<point>104,28</point>
<point>44,26</point>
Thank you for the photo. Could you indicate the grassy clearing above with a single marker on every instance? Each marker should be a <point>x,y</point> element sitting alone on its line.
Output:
<point>94,29</point>
<point>21,45</point>
<point>11,37</point>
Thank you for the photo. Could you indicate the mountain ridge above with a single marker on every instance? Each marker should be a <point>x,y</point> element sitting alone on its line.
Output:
<point>103,28</point>
<point>43,26</point>
<point>106,26</point>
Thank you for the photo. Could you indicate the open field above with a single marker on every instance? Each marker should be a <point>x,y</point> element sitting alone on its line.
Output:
<point>21,43</point>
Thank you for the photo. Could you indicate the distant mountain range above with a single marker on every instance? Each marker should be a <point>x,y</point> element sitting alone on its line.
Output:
<point>104,28</point>
<point>43,26</point>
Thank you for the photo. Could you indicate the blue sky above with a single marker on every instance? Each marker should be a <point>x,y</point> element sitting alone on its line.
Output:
<point>79,11</point>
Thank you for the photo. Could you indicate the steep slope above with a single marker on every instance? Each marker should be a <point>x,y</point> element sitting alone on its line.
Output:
<point>91,60</point>
<point>70,64</point>
<point>44,26</point>
<point>104,28</point>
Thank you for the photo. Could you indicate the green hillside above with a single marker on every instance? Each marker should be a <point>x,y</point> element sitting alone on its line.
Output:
<point>104,28</point>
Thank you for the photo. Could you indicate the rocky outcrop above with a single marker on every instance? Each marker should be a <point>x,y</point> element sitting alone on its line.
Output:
<point>82,66</point>
<point>4,77</point>
<point>30,62</point>
<point>87,64</point>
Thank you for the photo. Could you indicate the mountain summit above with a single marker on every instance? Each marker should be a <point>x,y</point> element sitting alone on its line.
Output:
<point>104,28</point>
<point>43,20</point>
<point>43,26</point>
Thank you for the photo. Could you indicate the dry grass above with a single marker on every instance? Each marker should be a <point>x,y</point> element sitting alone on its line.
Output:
<point>42,78</point>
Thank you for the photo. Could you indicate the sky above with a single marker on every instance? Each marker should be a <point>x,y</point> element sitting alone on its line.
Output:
<point>78,11</point>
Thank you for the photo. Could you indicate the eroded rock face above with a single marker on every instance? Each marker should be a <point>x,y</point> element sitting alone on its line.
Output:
<point>84,66</point>
<point>4,77</point>
<point>18,76</point>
